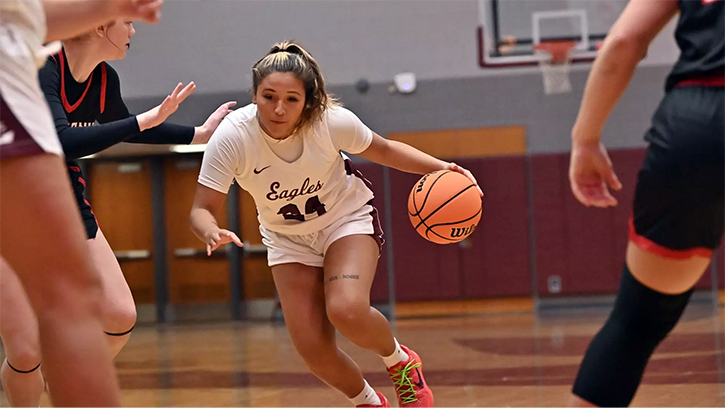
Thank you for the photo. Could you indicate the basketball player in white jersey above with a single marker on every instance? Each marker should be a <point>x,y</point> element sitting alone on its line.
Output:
<point>41,236</point>
<point>321,231</point>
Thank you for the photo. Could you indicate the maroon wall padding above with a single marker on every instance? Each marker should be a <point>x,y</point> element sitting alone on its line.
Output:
<point>374,173</point>
<point>573,242</point>
<point>496,263</point>
<point>493,262</point>
<point>423,270</point>
<point>585,247</point>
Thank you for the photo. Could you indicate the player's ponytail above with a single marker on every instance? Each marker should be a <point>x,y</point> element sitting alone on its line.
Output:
<point>287,56</point>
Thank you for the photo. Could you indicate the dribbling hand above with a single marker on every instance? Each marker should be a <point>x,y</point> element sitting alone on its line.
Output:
<point>219,237</point>
<point>591,175</point>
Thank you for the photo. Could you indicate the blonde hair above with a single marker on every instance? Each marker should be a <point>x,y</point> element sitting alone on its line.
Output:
<point>287,56</point>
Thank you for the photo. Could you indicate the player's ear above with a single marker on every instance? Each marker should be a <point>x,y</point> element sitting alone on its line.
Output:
<point>100,31</point>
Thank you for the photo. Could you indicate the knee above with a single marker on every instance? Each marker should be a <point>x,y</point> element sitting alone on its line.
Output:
<point>23,356</point>
<point>68,300</point>
<point>120,318</point>
<point>345,312</point>
<point>316,351</point>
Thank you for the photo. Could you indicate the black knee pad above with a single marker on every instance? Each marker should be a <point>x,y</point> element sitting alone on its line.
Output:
<point>21,371</point>
<point>121,334</point>
<point>617,356</point>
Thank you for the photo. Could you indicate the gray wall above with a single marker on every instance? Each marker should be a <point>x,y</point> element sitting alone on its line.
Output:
<point>215,42</point>
<point>475,102</point>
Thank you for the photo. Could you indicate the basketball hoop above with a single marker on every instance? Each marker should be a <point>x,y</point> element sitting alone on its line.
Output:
<point>555,64</point>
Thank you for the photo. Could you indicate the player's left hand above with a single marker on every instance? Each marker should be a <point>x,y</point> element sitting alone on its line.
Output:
<point>459,169</point>
<point>203,133</point>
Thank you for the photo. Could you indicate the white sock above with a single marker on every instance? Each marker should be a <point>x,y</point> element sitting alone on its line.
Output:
<point>366,397</point>
<point>397,356</point>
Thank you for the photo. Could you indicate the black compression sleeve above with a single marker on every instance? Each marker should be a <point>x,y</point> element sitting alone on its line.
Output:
<point>165,133</point>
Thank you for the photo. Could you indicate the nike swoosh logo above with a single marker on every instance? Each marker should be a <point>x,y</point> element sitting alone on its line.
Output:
<point>420,383</point>
<point>261,170</point>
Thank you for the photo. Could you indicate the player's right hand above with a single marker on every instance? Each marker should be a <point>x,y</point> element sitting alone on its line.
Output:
<point>591,175</point>
<point>218,237</point>
<point>138,10</point>
<point>159,114</point>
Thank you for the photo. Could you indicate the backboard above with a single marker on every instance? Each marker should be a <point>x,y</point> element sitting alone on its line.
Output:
<point>509,30</point>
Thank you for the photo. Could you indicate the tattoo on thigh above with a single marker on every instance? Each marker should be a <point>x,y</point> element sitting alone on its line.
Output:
<point>334,278</point>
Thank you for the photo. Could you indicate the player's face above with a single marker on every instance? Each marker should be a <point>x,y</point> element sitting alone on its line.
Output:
<point>280,99</point>
<point>119,35</point>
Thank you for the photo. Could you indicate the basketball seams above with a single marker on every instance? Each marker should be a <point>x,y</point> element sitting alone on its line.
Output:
<point>456,222</point>
<point>444,204</point>
<point>430,229</point>
<point>415,205</point>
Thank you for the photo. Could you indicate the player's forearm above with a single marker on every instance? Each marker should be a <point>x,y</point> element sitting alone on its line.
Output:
<point>406,158</point>
<point>201,222</point>
<point>165,133</point>
<point>610,76</point>
<point>83,141</point>
<point>69,18</point>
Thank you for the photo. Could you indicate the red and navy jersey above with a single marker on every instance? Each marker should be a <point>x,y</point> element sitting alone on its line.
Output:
<point>91,116</point>
<point>700,35</point>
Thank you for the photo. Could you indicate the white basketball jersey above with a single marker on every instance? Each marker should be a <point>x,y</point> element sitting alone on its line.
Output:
<point>22,32</point>
<point>25,19</point>
<point>296,198</point>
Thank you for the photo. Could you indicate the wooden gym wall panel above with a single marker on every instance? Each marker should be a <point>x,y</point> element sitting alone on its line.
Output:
<point>256,276</point>
<point>120,194</point>
<point>495,258</point>
<point>191,279</point>
<point>462,143</point>
<point>374,173</point>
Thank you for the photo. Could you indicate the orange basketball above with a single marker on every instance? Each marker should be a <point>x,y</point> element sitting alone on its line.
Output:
<point>444,207</point>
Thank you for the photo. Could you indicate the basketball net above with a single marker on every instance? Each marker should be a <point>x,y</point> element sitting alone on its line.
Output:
<point>555,64</point>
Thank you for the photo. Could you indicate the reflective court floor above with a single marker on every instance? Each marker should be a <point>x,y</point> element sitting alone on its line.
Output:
<point>493,359</point>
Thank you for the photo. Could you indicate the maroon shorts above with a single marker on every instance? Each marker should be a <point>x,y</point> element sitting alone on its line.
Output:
<point>15,141</point>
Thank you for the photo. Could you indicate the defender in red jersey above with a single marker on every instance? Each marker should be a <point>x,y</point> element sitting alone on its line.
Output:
<point>677,218</point>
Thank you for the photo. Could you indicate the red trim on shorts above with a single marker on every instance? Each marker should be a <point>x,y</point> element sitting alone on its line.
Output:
<point>80,179</point>
<point>66,105</point>
<point>716,80</point>
<point>75,168</point>
<point>103,86</point>
<point>652,247</point>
